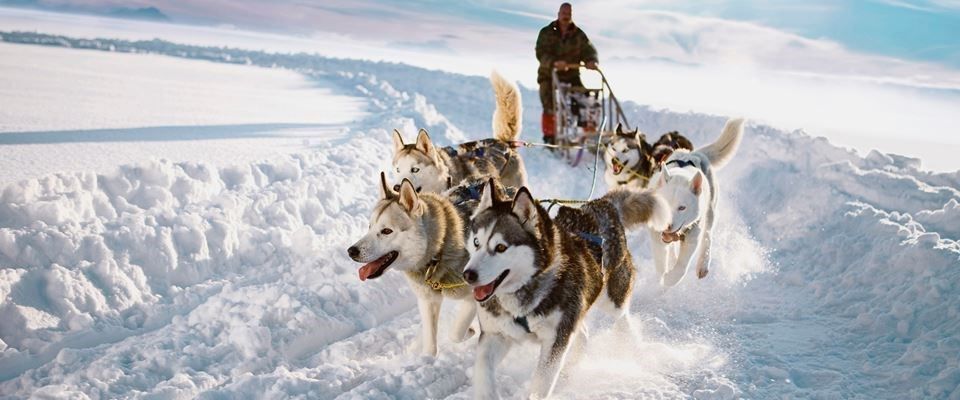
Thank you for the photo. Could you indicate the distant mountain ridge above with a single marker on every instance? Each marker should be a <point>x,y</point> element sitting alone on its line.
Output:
<point>142,13</point>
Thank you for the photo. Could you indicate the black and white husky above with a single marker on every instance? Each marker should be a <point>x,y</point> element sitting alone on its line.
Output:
<point>687,182</point>
<point>535,278</point>
<point>431,169</point>
<point>631,161</point>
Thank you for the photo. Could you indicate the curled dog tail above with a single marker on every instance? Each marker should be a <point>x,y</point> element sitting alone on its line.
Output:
<point>507,116</point>
<point>721,151</point>
<point>640,208</point>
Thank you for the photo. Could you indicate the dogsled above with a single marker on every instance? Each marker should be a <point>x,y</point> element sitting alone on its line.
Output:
<point>584,115</point>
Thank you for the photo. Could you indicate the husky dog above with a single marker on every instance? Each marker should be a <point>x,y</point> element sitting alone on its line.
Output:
<point>420,234</point>
<point>631,160</point>
<point>667,143</point>
<point>430,168</point>
<point>628,159</point>
<point>687,182</point>
<point>535,278</point>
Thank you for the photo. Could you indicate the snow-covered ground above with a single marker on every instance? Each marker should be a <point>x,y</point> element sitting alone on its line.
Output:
<point>65,110</point>
<point>835,276</point>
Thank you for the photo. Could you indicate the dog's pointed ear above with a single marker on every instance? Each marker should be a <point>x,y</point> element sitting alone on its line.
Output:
<point>640,137</point>
<point>525,207</point>
<point>397,141</point>
<point>423,142</point>
<point>662,177</point>
<point>696,185</point>
<point>385,191</point>
<point>409,199</point>
<point>487,196</point>
<point>619,130</point>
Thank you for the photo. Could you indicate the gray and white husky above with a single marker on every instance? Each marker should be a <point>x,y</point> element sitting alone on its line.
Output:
<point>631,161</point>
<point>535,278</point>
<point>431,169</point>
<point>687,182</point>
<point>420,234</point>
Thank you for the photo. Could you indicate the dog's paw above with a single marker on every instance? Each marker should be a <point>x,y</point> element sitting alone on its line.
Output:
<point>702,273</point>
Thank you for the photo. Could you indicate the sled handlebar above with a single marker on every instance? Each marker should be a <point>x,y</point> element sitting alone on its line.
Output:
<point>581,65</point>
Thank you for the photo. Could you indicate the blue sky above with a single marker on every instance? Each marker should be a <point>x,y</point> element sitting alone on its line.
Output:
<point>915,30</point>
<point>921,30</point>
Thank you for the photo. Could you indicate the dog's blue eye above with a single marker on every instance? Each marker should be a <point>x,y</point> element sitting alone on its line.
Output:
<point>386,231</point>
<point>500,248</point>
<point>414,169</point>
<point>476,243</point>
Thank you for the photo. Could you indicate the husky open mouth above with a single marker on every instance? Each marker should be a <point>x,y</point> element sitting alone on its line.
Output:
<point>482,293</point>
<point>375,268</point>
<point>617,166</point>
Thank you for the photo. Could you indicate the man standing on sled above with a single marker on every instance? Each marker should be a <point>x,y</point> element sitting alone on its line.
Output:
<point>564,46</point>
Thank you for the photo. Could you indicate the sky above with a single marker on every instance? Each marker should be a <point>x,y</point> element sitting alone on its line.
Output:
<point>863,73</point>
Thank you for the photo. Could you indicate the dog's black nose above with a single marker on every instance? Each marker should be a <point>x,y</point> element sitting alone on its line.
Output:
<point>354,252</point>
<point>470,276</point>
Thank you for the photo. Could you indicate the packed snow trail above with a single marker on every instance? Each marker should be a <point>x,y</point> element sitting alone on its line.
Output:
<point>834,276</point>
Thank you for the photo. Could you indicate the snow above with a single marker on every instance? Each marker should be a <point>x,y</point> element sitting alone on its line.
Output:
<point>169,108</point>
<point>834,276</point>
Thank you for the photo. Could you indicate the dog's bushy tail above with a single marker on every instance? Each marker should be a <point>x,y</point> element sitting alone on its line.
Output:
<point>721,151</point>
<point>507,116</point>
<point>640,207</point>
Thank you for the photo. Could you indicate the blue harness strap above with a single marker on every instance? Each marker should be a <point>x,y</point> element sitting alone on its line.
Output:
<point>682,163</point>
<point>474,191</point>
<point>593,239</point>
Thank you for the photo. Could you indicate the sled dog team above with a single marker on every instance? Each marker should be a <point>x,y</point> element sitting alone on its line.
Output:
<point>462,224</point>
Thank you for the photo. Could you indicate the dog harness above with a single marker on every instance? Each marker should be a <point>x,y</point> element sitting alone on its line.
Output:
<point>522,321</point>
<point>438,283</point>
<point>633,174</point>
<point>681,163</point>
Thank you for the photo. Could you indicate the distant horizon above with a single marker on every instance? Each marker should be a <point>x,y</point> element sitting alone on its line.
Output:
<point>894,106</point>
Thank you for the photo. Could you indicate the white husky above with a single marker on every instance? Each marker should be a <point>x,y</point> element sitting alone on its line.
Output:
<point>687,182</point>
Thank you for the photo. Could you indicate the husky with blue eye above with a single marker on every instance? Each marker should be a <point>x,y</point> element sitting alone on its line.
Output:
<point>430,168</point>
<point>536,277</point>
<point>687,182</point>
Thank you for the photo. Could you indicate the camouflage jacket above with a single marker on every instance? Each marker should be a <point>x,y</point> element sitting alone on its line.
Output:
<point>573,48</point>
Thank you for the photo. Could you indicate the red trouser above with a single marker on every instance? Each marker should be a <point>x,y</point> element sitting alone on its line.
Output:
<point>548,122</point>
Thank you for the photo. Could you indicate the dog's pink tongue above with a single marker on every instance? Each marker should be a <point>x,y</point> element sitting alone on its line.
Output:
<point>482,292</point>
<point>617,168</point>
<point>370,269</point>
